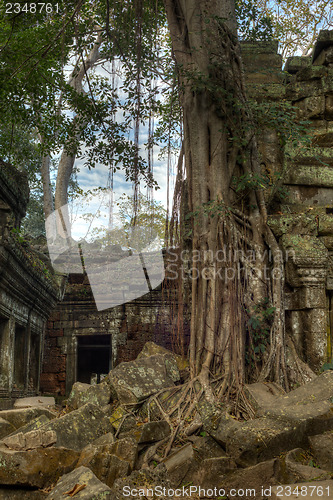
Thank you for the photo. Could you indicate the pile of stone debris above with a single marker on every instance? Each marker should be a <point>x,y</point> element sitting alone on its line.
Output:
<point>119,440</point>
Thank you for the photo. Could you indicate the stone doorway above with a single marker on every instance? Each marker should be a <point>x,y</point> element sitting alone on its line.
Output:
<point>94,358</point>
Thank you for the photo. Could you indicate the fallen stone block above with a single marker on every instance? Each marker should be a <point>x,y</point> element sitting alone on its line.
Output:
<point>22,416</point>
<point>254,441</point>
<point>206,447</point>
<point>82,481</point>
<point>35,468</point>
<point>262,395</point>
<point>21,494</point>
<point>179,463</point>
<point>35,424</point>
<point>5,428</point>
<point>252,482</point>
<point>151,349</point>
<point>309,418</point>
<point>296,468</point>
<point>105,439</point>
<point>322,449</point>
<point>210,472</point>
<point>121,417</point>
<point>134,381</point>
<point>110,461</point>
<point>30,440</point>
<point>104,463</point>
<point>77,429</point>
<point>35,402</point>
<point>144,482</point>
<point>151,431</point>
<point>319,389</point>
<point>82,394</point>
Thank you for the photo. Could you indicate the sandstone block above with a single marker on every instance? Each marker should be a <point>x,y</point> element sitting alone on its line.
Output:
<point>92,487</point>
<point>82,394</point>
<point>35,468</point>
<point>134,381</point>
<point>151,431</point>
<point>79,428</point>
<point>296,468</point>
<point>5,428</point>
<point>253,480</point>
<point>22,416</point>
<point>322,448</point>
<point>110,461</point>
<point>35,402</point>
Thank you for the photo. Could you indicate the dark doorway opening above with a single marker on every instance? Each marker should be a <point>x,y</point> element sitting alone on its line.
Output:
<point>34,363</point>
<point>20,357</point>
<point>93,357</point>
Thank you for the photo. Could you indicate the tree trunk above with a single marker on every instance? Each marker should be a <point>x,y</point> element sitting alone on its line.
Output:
<point>65,168</point>
<point>219,146</point>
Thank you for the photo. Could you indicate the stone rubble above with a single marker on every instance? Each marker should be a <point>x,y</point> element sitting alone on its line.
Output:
<point>94,450</point>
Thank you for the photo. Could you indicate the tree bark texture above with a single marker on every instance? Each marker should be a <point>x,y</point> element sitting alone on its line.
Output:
<point>220,146</point>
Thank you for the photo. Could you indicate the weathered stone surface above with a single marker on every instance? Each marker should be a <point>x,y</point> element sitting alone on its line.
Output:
<point>77,429</point>
<point>262,395</point>
<point>310,418</point>
<point>35,402</point>
<point>105,439</point>
<point>205,447</point>
<point>135,381</point>
<point>295,223</point>
<point>33,425</point>
<point>179,463</point>
<point>5,428</point>
<point>311,73</point>
<point>93,488</point>
<point>286,424</point>
<point>150,431</point>
<point>82,394</point>
<point>151,349</point>
<point>296,63</point>
<point>21,494</point>
<point>315,490</point>
<point>325,225</point>
<point>252,480</point>
<point>296,468</point>
<point>319,389</point>
<point>209,473</point>
<point>142,481</point>
<point>35,468</point>
<point>19,417</point>
<point>121,417</point>
<point>254,441</point>
<point>309,175</point>
<point>110,461</point>
<point>322,448</point>
<point>30,440</point>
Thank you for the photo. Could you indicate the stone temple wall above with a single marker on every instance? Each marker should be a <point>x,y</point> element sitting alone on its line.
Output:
<point>82,343</point>
<point>27,295</point>
<point>301,209</point>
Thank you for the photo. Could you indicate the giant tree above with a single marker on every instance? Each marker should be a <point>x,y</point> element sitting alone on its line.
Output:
<point>220,145</point>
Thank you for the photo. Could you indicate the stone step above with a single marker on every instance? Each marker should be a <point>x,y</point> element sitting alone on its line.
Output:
<point>309,175</point>
<point>315,156</point>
